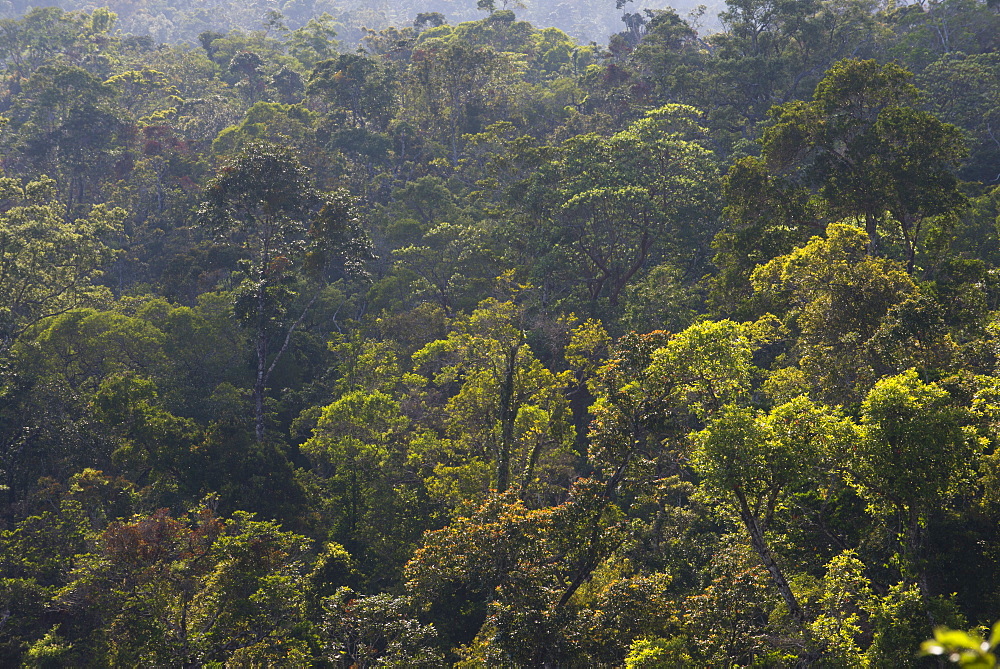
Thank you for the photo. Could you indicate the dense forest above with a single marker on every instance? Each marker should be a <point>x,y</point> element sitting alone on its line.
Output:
<point>465,342</point>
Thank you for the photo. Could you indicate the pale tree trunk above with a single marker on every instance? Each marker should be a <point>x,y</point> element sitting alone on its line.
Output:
<point>260,379</point>
<point>760,546</point>
<point>263,369</point>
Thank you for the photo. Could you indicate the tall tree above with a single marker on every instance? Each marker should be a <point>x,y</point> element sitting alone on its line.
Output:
<point>607,208</point>
<point>916,448</point>
<point>870,153</point>
<point>264,203</point>
<point>48,264</point>
<point>357,85</point>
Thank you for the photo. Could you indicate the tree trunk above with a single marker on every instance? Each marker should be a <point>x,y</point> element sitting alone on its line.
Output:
<point>260,380</point>
<point>259,385</point>
<point>871,227</point>
<point>507,414</point>
<point>263,369</point>
<point>760,546</point>
<point>916,550</point>
<point>529,468</point>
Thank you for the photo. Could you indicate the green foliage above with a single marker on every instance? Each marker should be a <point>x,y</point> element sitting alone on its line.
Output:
<point>869,152</point>
<point>961,90</point>
<point>49,264</point>
<point>172,589</point>
<point>709,364</point>
<point>290,125</point>
<point>479,345</point>
<point>264,202</point>
<point>845,605</point>
<point>376,630</point>
<point>963,648</point>
<point>655,653</point>
<point>613,206</point>
<point>836,297</point>
<point>527,564</point>
<point>452,263</point>
<point>767,456</point>
<point>915,447</point>
<point>507,407</point>
<point>900,622</point>
<point>313,42</point>
<point>356,85</point>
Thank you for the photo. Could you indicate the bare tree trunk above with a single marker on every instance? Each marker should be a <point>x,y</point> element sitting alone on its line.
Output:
<point>760,546</point>
<point>263,369</point>
<point>260,382</point>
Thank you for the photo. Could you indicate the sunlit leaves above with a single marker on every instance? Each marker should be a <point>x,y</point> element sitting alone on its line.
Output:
<point>49,264</point>
<point>836,297</point>
<point>710,364</point>
<point>967,649</point>
<point>915,445</point>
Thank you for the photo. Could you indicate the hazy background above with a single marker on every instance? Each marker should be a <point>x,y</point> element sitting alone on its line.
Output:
<point>182,20</point>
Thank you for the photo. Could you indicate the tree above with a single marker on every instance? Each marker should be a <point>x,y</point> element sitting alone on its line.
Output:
<point>526,566</point>
<point>41,35</point>
<point>942,30</point>
<point>632,416</point>
<point>358,85</point>
<point>313,42</point>
<point>376,630</point>
<point>772,49</point>
<point>454,87</point>
<point>62,124</point>
<point>48,264</point>
<point>264,203</point>
<point>836,297</point>
<point>765,216</point>
<point>506,408</point>
<point>761,459</point>
<point>916,447</point>
<point>452,263</point>
<point>248,65</point>
<point>741,453</point>
<point>181,590</point>
<point>869,152</point>
<point>964,90</point>
<point>358,450</point>
<point>671,55</point>
<point>611,207</point>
